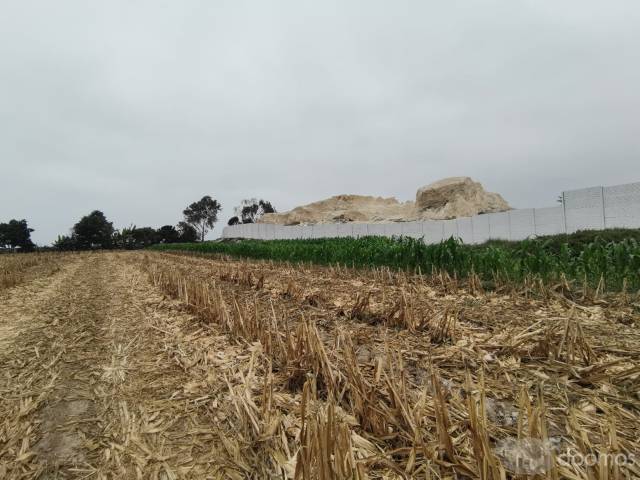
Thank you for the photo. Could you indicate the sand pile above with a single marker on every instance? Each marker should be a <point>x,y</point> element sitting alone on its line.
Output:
<point>448,198</point>
<point>457,197</point>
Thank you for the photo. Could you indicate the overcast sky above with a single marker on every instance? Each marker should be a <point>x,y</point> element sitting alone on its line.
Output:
<point>138,108</point>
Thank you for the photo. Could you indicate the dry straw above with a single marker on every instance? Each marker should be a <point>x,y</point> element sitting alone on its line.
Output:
<point>406,376</point>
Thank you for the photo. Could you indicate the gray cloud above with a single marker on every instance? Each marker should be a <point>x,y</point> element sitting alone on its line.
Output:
<point>139,108</point>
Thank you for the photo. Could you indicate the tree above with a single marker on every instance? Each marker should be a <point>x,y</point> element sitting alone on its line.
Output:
<point>133,237</point>
<point>168,234</point>
<point>233,221</point>
<point>65,243</point>
<point>144,237</point>
<point>188,234</point>
<point>202,215</point>
<point>93,231</point>
<point>16,234</point>
<point>4,235</point>
<point>250,210</point>
<point>123,238</point>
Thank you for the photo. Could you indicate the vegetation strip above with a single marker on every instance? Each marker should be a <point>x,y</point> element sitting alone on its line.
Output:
<point>599,263</point>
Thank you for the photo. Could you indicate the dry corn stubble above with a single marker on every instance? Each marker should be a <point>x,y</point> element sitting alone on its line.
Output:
<point>107,379</point>
<point>411,389</point>
<point>258,370</point>
<point>17,268</point>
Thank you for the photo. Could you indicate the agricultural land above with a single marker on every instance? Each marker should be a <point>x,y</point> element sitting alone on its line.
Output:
<point>333,359</point>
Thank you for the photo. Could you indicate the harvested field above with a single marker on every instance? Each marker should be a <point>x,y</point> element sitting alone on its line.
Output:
<point>158,365</point>
<point>16,268</point>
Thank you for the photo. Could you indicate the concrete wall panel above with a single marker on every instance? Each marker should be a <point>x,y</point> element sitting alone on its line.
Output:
<point>377,229</point>
<point>306,232</point>
<point>412,229</point>
<point>280,232</point>
<point>345,230</point>
<point>499,227</point>
<point>330,230</point>
<point>465,229</point>
<point>433,231</point>
<point>522,224</point>
<point>360,230</point>
<point>288,232</point>
<point>316,232</point>
<point>584,209</point>
<point>238,231</point>
<point>297,232</point>
<point>393,229</point>
<point>622,206</point>
<point>549,221</point>
<point>480,228</point>
<point>270,231</point>
<point>450,228</point>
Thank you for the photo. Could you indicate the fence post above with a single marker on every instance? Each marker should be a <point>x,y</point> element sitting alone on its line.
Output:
<point>604,218</point>
<point>473,235</point>
<point>564,212</point>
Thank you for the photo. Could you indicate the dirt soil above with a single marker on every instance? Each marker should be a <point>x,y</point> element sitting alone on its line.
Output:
<point>165,366</point>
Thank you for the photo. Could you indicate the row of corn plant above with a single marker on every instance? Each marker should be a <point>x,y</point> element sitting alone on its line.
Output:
<point>598,264</point>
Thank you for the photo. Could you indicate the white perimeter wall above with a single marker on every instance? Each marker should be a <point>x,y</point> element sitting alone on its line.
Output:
<point>592,208</point>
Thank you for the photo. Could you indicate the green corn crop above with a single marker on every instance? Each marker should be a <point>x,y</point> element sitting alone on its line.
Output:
<point>613,262</point>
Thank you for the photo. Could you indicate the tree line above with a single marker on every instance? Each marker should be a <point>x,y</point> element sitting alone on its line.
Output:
<point>16,234</point>
<point>95,231</point>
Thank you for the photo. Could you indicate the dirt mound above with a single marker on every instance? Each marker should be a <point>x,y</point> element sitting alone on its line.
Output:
<point>457,197</point>
<point>448,198</point>
<point>345,208</point>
